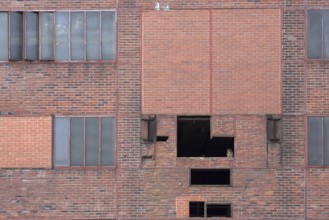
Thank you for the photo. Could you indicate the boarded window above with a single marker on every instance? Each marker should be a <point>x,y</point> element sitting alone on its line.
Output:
<point>318,141</point>
<point>4,36</point>
<point>84,141</point>
<point>31,36</point>
<point>16,35</point>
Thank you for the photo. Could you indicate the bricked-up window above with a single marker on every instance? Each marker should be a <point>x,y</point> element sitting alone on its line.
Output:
<point>61,36</point>
<point>318,141</point>
<point>318,34</point>
<point>193,139</point>
<point>84,141</point>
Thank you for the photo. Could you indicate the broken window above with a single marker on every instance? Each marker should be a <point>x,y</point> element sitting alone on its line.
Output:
<point>200,209</point>
<point>318,141</point>
<point>219,210</point>
<point>193,139</point>
<point>196,209</point>
<point>210,177</point>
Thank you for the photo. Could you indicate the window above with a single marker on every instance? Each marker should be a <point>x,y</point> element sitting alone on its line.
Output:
<point>318,141</point>
<point>318,34</point>
<point>193,139</point>
<point>200,209</point>
<point>210,177</point>
<point>196,209</point>
<point>84,141</point>
<point>61,36</point>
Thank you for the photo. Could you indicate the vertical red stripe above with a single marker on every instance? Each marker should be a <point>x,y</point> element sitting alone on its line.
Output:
<point>210,61</point>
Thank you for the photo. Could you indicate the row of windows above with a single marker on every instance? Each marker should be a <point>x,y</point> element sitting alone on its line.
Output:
<point>90,141</point>
<point>62,36</point>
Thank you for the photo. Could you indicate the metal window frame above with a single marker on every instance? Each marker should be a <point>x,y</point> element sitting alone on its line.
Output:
<point>306,142</point>
<point>85,60</point>
<point>84,166</point>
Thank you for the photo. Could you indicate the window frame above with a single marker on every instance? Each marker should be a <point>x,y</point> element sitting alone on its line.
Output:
<point>306,38</point>
<point>69,166</point>
<point>306,125</point>
<point>39,41</point>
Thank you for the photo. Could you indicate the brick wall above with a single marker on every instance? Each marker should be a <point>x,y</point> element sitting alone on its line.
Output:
<point>218,61</point>
<point>269,181</point>
<point>25,142</point>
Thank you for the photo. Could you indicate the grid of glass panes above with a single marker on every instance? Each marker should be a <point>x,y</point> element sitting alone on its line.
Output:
<point>318,141</point>
<point>61,36</point>
<point>318,34</point>
<point>84,141</point>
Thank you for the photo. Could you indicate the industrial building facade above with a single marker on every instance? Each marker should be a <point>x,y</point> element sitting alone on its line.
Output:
<point>139,109</point>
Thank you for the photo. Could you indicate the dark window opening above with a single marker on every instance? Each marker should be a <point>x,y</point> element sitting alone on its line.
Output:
<point>210,177</point>
<point>162,138</point>
<point>219,210</point>
<point>196,209</point>
<point>193,139</point>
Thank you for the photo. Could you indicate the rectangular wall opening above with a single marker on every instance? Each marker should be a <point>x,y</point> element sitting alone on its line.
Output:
<point>210,177</point>
<point>196,209</point>
<point>219,210</point>
<point>193,139</point>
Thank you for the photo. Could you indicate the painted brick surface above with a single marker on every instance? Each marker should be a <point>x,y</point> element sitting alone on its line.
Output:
<point>246,61</point>
<point>213,63</point>
<point>175,76</point>
<point>25,142</point>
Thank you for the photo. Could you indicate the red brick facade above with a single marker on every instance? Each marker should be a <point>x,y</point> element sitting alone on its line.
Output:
<point>236,61</point>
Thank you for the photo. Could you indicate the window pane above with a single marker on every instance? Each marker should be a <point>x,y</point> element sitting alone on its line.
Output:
<point>62,142</point>
<point>16,35</point>
<point>4,36</point>
<point>326,140</point>
<point>314,34</point>
<point>326,34</point>
<point>31,36</point>
<point>108,35</point>
<point>315,141</point>
<point>77,141</point>
<point>108,141</point>
<point>93,36</point>
<point>62,36</point>
<point>77,36</point>
<point>47,34</point>
<point>92,141</point>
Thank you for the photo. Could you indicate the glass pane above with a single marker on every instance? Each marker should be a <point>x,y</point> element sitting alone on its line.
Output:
<point>314,45</point>
<point>47,36</point>
<point>326,34</point>
<point>108,35</point>
<point>16,36</point>
<point>61,141</point>
<point>92,141</point>
<point>93,35</point>
<point>62,36</point>
<point>315,141</point>
<point>108,141</point>
<point>31,36</point>
<point>77,36</point>
<point>4,36</point>
<point>77,141</point>
<point>326,140</point>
